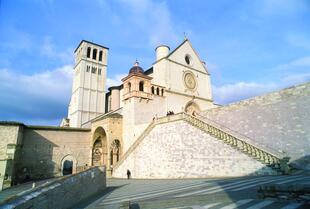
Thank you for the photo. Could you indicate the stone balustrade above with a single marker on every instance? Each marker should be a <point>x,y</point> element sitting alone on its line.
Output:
<point>268,158</point>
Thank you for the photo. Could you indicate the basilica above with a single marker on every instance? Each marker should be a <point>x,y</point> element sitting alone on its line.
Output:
<point>161,122</point>
<point>178,81</point>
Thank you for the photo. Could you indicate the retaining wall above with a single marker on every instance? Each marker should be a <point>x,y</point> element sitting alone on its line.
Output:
<point>279,120</point>
<point>61,193</point>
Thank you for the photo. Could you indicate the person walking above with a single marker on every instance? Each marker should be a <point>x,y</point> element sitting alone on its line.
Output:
<point>128,174</point>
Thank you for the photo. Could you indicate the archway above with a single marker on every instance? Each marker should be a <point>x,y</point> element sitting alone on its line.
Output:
<point>68,165</point>
<point>99,149</point>
<point>115,151</point>
<point>67,168</point>
<point>192,108</point>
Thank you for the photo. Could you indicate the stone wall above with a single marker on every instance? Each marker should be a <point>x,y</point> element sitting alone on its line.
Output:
<point>10,140</point>
<point>62,193</point>
<point>279,120</point>
<point>179,150</point>
<point>44,149</point>
<point>138,114</point>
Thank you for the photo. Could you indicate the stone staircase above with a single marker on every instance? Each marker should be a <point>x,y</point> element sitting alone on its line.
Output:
<point>265,155</point>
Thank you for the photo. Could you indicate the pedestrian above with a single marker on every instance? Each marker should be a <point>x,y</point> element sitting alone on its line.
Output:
<point>128,174</point>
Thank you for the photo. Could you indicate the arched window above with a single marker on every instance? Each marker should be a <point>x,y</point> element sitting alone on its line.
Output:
<point>153,90</point>
<point>141,86</point>
<point>157,91</point>
<point>129,87</point>
<point>94,54</point>
<point>111,156</point>
<point>162,92</point>
<point>100,56</point>
<point>88,52</point>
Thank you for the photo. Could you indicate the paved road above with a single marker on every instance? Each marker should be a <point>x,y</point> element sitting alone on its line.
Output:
<point>194,194</point>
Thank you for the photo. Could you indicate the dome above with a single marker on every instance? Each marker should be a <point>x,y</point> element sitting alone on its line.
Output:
<point>136,68</point>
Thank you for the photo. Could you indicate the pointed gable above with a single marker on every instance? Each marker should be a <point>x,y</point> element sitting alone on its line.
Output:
<point>186,55</point>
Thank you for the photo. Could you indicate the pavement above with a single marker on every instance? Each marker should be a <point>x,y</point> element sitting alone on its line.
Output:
<point>225,193</point>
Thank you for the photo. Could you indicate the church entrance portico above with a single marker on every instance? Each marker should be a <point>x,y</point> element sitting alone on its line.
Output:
<point>192,108</point>
<point>99,147</point>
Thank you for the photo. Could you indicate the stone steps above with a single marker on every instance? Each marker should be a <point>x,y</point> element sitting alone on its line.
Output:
<point>239,142</point>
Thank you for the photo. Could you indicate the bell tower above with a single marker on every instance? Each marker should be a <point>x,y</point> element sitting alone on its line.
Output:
<point>88,87</point>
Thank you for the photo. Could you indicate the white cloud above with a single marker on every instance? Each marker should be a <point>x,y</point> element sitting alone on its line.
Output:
<point>296,78</point>
<point>41,96</point>
<point>241,90</point>
<point>294,72</point>
<point>116,80</point>
<point>48,50</point>
<point>53,84</point>
<point>299,40</point>
<point>303,62</point>
<point>153,18</point>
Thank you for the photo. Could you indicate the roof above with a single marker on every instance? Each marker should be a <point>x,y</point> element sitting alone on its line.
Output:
<point>111,114</point>
<point>11,123</point>
<point>149,71</point>
<point>185,40</point>
<point>55,128</point>
<point>89,42</point>
<point>115,87</point>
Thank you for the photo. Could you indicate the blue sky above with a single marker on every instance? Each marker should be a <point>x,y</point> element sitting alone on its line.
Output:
<point>250,46</point>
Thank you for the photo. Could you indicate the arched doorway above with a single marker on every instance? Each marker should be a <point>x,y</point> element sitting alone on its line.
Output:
<point>68,165</point>
<point>115,151</point>
<point>99,149</point>
<point>192,108</point>
<point>67,168</point>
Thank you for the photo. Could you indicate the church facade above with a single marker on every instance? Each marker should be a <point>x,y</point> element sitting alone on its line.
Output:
<point>161,122</point>
<point>177,81</point>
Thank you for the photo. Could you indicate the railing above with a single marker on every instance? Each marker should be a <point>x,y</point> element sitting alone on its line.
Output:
<point>239,135</point>
<point>229,137</point>
<point>245,146</point>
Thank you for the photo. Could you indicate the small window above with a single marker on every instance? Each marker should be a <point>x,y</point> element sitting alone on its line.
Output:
<point>162,92</point>
<point>94,54</point>
<point>153,90</point>
<point>129,87</point>
<point>100,56</point>
<point>188,59</point>
<point>93,70</point>
<point>157,91</point>
<point>141,86</point>
<point>87,68</point>
<point>88,52</point>
<point>99,71</point>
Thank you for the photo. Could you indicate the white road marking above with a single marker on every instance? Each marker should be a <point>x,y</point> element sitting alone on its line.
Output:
<point>177,189</point>
<point>197,207</point>
<point>237,204</point>
<point>219,186</point>
<point>252,184</point>
<point>247,183</point>
<point>139,196</point>
<point>283,182</point>
<point>292,206</point>
<point>211,205</point>
<point>261,204</point>
<point>269,181</point>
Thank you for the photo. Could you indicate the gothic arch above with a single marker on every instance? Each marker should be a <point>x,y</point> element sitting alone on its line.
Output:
<point>115,151</point>
<point>192,108</point>
<point>68,165</point>
<point>99,147</point>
